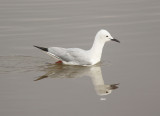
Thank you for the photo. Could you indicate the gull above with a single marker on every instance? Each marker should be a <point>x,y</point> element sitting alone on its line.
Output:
<point>77,56</point>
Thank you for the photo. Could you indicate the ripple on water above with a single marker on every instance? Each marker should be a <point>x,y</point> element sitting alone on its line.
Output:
<point>16,64</point>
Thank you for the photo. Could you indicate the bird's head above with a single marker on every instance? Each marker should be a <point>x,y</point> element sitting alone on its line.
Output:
<point>105,36</point>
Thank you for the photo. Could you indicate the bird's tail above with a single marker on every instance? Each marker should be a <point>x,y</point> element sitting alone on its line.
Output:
<point>42,48</point>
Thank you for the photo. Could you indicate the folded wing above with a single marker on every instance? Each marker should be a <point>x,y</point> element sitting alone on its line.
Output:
<point>70,54</point>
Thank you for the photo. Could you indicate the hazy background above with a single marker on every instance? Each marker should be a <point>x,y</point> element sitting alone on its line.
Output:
<point>134,63</point>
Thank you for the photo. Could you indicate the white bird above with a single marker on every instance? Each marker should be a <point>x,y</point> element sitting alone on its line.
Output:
<point>77,56</point>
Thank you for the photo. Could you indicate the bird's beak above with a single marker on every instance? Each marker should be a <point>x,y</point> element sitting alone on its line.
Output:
<point>116,40</point>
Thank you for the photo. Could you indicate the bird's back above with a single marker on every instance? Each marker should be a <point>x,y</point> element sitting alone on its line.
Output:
<point>75,56</point>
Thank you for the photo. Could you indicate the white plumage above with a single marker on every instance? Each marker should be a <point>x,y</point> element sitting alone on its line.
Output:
<point>77,56</point>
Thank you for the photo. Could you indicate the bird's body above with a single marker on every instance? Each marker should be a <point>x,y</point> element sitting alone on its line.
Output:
<point>77,56</point>
<point>72,56</point>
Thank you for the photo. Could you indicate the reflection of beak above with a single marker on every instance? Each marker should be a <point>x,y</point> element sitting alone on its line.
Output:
<point>116,40</point>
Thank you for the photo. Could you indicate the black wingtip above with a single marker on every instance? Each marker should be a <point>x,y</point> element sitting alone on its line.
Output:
<point>42,48</point>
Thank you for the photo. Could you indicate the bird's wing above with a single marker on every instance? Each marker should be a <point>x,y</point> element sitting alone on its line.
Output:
<point>60,53</point>
<point>68,54</point>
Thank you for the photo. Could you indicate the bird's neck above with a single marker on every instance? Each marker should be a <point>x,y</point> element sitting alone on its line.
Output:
<point>96,49</point>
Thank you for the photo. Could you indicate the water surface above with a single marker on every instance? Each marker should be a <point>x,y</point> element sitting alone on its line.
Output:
<point>125,83</point>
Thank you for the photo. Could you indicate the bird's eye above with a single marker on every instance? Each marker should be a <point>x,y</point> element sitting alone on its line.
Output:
<point>107,36</point>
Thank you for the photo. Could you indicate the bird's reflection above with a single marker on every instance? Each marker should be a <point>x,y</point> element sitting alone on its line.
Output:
<point>66,71</point>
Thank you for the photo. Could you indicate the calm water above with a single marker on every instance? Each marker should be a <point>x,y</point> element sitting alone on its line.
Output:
<point>125,83</point>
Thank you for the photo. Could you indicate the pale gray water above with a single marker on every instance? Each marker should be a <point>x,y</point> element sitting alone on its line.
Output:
<point>79,91</point>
